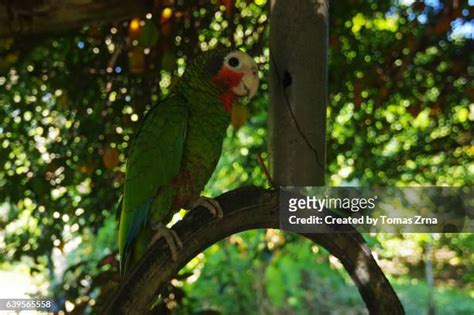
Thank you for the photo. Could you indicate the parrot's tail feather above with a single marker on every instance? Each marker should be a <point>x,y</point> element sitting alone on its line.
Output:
<point>118,210</point>
<point>139,221</point>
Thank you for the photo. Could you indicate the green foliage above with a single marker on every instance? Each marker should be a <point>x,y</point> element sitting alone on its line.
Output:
<point>400,112</point>
<point>448,301</point>
<point>272,273</point>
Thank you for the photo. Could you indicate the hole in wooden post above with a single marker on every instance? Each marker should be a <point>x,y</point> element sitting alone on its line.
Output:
<point>287,80</point>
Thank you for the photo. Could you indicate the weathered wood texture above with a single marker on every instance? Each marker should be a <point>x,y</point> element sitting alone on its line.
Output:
<point>245,209</point>
<point>28,17</point>
<point>298,91</point>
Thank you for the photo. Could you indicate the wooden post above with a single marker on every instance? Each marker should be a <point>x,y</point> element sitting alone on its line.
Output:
<point>298,91</point>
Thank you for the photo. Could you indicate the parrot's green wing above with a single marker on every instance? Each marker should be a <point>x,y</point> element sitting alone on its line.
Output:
<point>154,160</point>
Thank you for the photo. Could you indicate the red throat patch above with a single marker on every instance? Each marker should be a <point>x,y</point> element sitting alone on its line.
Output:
<point>226,79</point>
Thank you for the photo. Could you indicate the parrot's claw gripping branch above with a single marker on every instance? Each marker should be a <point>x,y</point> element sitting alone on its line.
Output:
<point>171,238</point>
<point>210,204</point>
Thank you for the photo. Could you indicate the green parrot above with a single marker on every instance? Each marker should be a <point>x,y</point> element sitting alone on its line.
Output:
<point>176,150</point>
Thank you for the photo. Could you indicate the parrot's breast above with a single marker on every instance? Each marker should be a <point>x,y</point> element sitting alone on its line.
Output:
<point>202,150</point>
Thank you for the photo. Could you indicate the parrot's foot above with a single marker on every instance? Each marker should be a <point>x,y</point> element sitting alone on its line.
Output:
<point>210,204</point>
<point>171,238</point>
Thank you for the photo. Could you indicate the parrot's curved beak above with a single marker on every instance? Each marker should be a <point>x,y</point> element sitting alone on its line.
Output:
<point>249,83</point>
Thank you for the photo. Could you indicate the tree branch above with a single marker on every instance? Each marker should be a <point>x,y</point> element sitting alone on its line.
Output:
<point>27,17</point>
<point>245,209</point>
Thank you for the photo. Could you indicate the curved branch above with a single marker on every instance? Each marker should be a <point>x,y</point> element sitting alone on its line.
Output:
<point>245,209</point>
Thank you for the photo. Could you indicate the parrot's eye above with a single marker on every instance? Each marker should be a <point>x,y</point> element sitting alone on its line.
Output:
<point>234,62</point>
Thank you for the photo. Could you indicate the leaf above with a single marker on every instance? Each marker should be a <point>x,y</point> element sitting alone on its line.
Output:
<point>149,34</point>
<point>228,4</point>
<point>136,60</point>
<point>134,28</point>
<point>110,158</point>
<point>239,116</point>
<point>168,62</point>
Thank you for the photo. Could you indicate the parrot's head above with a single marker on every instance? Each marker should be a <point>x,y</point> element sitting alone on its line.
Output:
<point>233,73</point>
<point>237,77</point>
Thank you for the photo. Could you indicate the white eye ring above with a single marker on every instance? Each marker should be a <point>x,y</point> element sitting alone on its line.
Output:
<point>234,62</point>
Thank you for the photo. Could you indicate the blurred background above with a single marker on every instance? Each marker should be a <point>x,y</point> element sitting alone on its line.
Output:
<point>400,112</point>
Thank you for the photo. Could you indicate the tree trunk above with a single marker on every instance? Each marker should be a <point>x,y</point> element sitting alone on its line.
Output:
<point>298,91</point>
<point>26,17</point>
